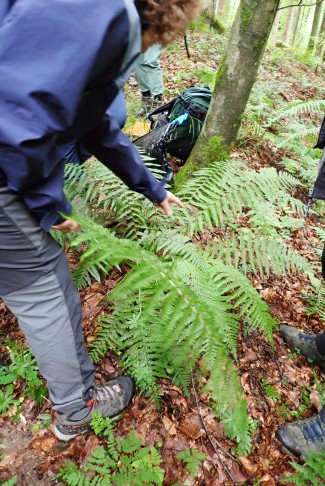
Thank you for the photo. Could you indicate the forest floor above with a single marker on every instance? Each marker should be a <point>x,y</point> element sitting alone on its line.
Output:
<point>279,385</point>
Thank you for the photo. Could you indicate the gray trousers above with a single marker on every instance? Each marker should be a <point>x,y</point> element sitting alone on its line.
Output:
<point>36,285</point>
<point>148,72</point>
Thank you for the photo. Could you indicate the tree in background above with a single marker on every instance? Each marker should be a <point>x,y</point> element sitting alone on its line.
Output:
<point>316,24</point>
<point>295,24</point>
<point>235,78</point>
<point>288,25</point>
<point>321,40</point>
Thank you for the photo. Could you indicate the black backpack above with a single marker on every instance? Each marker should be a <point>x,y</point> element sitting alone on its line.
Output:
<point>194,103</point>
<point>175,127</point>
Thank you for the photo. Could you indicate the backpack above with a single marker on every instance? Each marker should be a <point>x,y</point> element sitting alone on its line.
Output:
<point>175,127</point>
<point>194,103</point>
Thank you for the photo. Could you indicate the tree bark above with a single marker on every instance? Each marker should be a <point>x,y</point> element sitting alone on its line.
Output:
<point>288,25</point>
<point>235,78</point>
<point>275,27</point>
<point>295,24</point>
<point>220,7</point>
<point>315,27</point>
<point>321,45</point>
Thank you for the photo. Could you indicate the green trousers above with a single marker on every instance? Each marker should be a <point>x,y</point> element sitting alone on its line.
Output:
<point>148,71</point>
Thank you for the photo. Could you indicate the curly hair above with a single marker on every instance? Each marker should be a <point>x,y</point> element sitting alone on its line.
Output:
<point>170,18</point>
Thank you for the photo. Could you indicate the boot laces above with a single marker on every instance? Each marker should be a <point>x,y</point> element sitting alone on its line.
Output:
<point>314,429</point>
<point>306,337</point>
<point>104,393</point>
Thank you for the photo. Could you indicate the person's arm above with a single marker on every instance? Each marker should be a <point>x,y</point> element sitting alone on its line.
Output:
<point>47,54</point>
<point>115,150</point>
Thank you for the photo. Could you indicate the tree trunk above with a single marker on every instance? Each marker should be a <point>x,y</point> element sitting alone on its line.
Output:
<point>321,45</point>
<point>288,24</point>
<point>295,24</point>
<point>234,81</point>
<point>315,27</point>
<point>220,7</point>
<point>275,27</point>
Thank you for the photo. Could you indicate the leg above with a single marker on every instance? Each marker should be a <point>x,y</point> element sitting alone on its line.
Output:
<point>141,73</point>
<point>154,73</point>
<point>35,283</point>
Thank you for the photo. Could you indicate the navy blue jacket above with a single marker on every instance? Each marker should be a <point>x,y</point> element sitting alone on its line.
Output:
<point>58,63</point>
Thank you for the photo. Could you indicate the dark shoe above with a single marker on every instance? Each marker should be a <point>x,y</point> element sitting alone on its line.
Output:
<point>146,106</point>
<point>304,437</point>
<point>306,343</point>
<point>110,399</point>
<point>156,103</point>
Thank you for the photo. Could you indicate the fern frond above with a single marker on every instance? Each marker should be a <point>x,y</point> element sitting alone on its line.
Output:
<point>297,107</point>
<point>259,255</point>
<point>312,472</point>
<point>320,233</point>
<point>222,190</point>
<point>297,135</point>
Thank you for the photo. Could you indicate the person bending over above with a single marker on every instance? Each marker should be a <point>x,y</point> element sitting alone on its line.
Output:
<point>61,66</point>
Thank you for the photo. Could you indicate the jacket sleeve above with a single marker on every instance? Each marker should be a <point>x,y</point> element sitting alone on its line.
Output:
<point>115,150</point>
<point>47,53</point>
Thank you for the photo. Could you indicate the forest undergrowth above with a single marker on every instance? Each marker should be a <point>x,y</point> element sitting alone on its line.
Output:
<point>278,384</point>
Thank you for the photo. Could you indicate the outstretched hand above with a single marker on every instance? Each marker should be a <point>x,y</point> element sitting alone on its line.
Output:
<point>166,204</point>
<point>67,226</point>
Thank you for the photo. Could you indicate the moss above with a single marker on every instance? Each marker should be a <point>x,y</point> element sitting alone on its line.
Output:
<point>247,15</point>
<point>216,149</point>
<point>221,76</point>
<point>213,22</point>
<point>213,150</point>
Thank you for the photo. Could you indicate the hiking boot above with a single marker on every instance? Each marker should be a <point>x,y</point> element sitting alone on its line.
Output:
<point>306,343</point>
<point>156,103</point>
<point>304,437</point>
<point>110,399</point>
<point>146,106</point>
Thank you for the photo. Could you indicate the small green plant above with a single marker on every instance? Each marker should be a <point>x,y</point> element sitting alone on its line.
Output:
<point>193,460</point>
<point>320,387</point>
<point>284,411</point>
<point>293,354</point>
<point>11,482</point>
<point>313,472</point>
<point>304,405</point>
<point>45,421</point>
<point>270,391</point>
<point>22,368</point>
<point>123,461</point>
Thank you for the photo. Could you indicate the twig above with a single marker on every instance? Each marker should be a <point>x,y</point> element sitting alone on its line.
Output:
<point>212,440</point>
<point>300,4</point>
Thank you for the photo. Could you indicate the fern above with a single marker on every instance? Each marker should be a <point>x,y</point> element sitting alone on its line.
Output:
<point>312,473</point>
<point>193,460</point>
<point>123,461</point>
<point>320,233</point>
<point>178,304</point>
<point>297,107</point>
<point>221,191</point>
<point>259,256</point>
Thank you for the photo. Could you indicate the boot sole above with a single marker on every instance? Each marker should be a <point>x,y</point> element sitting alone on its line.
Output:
<point>293,453</point>
<point>67,437</point>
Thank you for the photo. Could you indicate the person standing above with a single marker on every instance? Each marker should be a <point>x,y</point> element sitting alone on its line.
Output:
<point>61,66</point>
<point>304,437</point>
<point>150,78</point>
